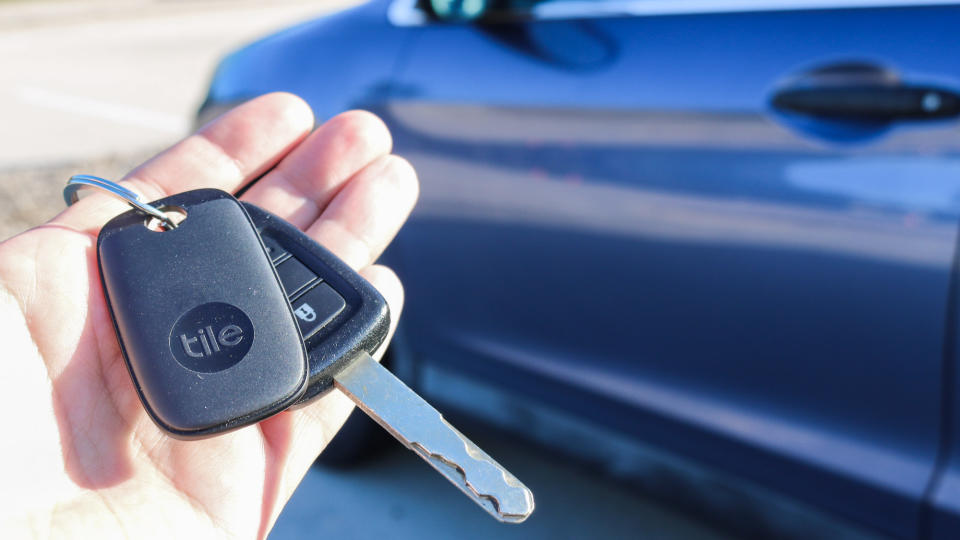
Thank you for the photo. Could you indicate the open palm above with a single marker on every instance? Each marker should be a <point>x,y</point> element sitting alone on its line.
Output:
<point>78,454</point>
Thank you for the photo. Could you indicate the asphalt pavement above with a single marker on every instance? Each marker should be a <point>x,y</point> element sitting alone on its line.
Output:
<point>400,497</point>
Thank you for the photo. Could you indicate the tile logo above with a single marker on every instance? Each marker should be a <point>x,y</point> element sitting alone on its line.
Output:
<point>211,337</point>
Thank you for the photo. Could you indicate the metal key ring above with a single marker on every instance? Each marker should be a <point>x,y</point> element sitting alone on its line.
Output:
<point>79,181</point>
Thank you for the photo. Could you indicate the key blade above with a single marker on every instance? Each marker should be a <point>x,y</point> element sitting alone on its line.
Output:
<point>416,424</point>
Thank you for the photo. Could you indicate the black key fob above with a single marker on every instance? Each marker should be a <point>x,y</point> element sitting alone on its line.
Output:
<point>204,325</point>
<point>339,312</point>
<point>344,319</point>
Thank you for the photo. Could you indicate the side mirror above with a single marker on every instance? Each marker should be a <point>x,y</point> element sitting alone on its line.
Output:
<point>569,44</point>
<point>458,10</point>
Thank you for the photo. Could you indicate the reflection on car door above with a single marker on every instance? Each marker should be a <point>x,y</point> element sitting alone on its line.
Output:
<point>629,224</point>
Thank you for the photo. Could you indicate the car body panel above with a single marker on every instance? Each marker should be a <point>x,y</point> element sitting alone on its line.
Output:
<point>629,234</point>
<point>336,63</point>
<point>645,231</point>
<point>943,516</point>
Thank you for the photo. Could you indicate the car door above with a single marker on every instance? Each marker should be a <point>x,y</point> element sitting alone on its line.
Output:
<point>616,222</point>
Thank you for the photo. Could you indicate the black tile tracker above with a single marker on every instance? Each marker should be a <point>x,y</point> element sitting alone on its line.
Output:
<point>234,315</point>
<point>204,325</point>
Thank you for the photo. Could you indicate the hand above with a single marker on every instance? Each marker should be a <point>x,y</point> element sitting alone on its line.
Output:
<point>78,453</point>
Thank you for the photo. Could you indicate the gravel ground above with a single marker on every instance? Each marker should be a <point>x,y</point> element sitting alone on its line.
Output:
<point>31,196</point>
<point>98,86</point>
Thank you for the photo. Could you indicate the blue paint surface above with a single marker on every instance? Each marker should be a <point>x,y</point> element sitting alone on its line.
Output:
<point>614,223</point>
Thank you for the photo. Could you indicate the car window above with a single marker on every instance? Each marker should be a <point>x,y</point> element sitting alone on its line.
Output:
<point>471,10</point>
<point>413,12</point>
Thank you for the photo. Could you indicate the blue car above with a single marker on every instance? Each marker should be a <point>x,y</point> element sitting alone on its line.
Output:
<point>707,247</point>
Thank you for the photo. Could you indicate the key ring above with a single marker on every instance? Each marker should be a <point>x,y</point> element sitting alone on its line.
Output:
<point>79,181</point>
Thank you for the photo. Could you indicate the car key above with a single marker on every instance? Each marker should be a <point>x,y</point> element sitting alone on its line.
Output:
<point>343,320</point>
<point>204,325</point>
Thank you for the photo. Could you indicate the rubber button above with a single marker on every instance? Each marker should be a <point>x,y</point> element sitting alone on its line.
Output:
<point>274,250</point>
<point>317,307</point>
<point>294,276</point>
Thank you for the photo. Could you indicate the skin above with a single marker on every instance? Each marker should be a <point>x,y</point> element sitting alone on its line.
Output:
<point>80,455</point>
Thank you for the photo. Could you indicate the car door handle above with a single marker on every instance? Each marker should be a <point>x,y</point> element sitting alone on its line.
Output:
<point>870,102</point>
<point>855,92</point>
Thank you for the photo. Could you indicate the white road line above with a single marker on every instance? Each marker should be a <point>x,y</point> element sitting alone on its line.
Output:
<point>114,112</point>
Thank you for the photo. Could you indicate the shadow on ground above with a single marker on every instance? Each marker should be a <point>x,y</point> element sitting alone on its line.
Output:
<point>398,496</point>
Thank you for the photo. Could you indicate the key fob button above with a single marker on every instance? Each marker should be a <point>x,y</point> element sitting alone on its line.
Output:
<point>317,307</point>
<point>274,250</point>
<point>342,317</point>
<point>294,275</point>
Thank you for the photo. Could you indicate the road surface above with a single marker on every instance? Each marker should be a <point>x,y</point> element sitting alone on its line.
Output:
<point>90,86</point>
